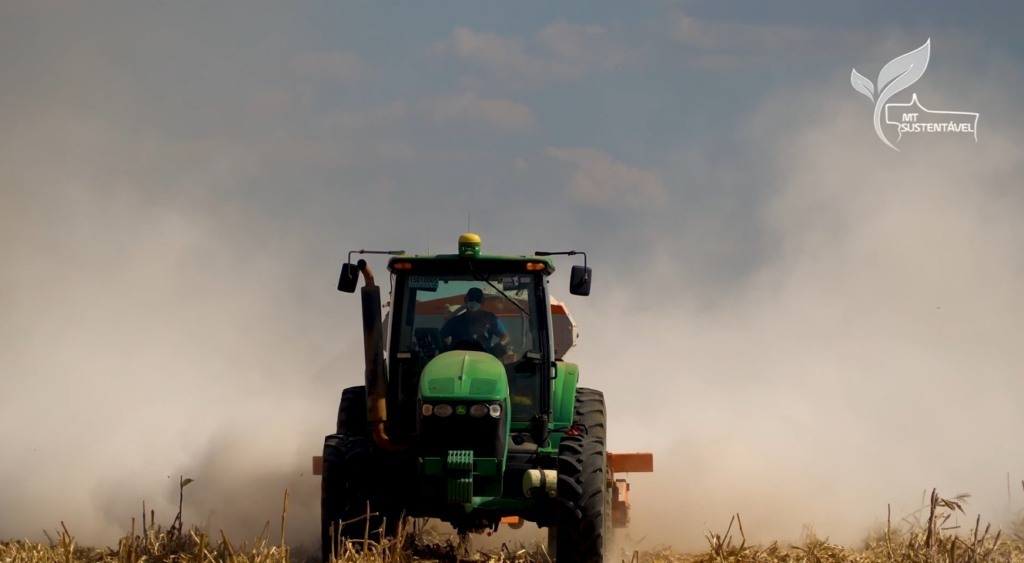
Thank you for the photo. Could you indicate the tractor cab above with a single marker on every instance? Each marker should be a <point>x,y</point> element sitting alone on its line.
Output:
<point>502,313</point>
<point>444,306</point>
<point>498,307</point>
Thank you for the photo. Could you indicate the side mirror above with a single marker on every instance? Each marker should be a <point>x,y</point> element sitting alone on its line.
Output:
<point>579,280</point>
<point>349,278</point>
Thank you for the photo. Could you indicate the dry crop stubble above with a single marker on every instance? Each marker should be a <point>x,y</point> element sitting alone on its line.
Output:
<point>927,536</point>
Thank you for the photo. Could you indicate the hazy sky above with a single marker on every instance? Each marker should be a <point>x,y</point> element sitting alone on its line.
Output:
<point>803,324</point>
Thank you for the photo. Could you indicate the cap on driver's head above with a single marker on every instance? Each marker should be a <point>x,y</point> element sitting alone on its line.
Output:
<point>475,294</point>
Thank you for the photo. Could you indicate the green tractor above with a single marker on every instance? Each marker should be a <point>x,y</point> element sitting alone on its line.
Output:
<point>469,414</point>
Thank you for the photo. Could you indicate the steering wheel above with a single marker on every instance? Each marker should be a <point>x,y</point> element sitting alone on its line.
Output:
<point>467,344</point>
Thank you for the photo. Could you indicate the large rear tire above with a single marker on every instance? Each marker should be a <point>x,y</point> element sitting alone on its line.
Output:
<point>589,411</point>
<point>352,411</point>
<point>346,489</point>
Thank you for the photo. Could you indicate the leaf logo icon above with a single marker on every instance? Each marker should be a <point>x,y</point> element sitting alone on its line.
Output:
<point>895,76</point>
<point>862,85</point>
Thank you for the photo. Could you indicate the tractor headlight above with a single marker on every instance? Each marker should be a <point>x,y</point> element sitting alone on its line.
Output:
<point>495,410</point>
<point>428,409</point>
<point>443,410</point>
<point>477,411</point>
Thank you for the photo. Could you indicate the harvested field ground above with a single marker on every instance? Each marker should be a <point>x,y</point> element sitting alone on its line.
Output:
<point>930,539</point>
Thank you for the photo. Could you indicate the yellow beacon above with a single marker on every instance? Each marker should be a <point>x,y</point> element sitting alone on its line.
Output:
<point>469,245</point>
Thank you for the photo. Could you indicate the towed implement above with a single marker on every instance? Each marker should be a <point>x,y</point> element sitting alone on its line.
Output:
<point>469,413</point>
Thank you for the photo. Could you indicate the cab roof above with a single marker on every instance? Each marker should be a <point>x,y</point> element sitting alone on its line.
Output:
<point>484,263</point>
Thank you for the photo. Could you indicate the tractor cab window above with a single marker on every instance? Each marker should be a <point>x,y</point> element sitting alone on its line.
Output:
<point>493,315</point>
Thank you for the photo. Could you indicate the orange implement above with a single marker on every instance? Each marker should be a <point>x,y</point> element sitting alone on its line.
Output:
<point>639,462</point>
<point>513,522</point>
<point>636,462</point>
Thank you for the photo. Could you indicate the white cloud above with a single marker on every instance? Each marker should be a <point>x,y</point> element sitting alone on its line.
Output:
<point>569,41</point>
<point>471,83</point>
<point>496,113</point>
<point>726,44</point>
<point>370,119</point>
<point>501,55</point>
<point>603,181</point>
<point>559,51</point>
<point>334,65</point>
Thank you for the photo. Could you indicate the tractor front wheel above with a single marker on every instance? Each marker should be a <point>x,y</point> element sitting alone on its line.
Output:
<point>584,516</point>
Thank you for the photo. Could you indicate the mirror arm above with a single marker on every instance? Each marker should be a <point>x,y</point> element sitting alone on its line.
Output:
<point>391,252</point>
<point>565,253</point>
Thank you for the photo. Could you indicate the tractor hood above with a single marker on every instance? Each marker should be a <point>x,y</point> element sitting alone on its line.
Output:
<point>464,375</point>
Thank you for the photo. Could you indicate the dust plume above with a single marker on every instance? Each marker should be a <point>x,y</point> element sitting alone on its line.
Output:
<point>163,316</point>
<point>151,333</point>
<point>875,353</point>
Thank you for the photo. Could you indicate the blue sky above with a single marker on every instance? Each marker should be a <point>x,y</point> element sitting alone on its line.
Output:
<point>775,287</point>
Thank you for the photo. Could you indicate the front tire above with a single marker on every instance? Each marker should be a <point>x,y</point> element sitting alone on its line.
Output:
<point>584,516</point>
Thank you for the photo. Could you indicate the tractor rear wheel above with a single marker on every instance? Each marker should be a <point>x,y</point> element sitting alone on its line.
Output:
<point>352,411</point>
<point>347,510</point>
<point>590,412</point>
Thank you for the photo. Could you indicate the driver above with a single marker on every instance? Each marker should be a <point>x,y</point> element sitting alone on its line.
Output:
<point>476,325</point>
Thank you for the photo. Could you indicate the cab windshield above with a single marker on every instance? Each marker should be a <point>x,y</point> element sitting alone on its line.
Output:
<point>495,314</point>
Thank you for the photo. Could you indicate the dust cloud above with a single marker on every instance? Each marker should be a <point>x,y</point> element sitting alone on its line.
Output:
<point>874,355</point>
<point>152,333</point>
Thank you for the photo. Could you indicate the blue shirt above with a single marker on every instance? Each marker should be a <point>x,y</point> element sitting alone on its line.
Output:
<point>481,326</point>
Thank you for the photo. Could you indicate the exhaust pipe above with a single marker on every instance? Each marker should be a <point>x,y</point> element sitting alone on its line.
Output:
<point>376,368</point>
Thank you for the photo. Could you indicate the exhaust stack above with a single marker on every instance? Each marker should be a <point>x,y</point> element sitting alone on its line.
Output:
<point>376,368</point>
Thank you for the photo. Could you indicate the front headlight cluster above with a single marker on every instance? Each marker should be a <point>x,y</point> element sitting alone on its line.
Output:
<point>478,410</point>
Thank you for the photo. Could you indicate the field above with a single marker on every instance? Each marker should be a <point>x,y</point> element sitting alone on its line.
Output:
<point>925,539</point>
